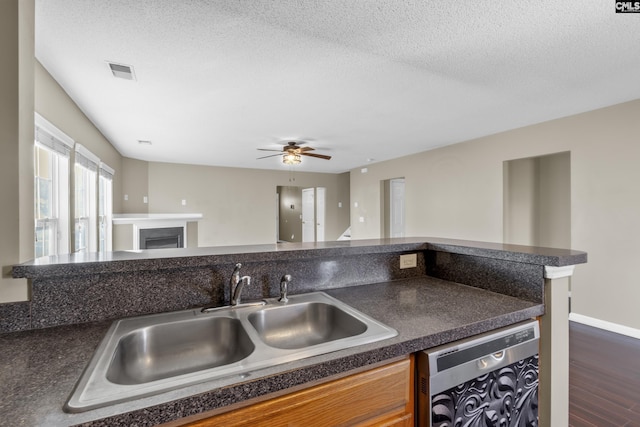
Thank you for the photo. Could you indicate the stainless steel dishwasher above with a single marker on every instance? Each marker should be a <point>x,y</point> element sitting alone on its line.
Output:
<point>486,380</point>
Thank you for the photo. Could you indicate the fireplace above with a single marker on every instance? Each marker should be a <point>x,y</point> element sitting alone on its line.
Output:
<point>161,238</point>
<point>153,231</point>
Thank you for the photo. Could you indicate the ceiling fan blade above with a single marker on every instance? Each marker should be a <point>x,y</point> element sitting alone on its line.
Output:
<point>270,155</point>
<point>319,156</point>
<point>306,149</point>
<point>267,149</point>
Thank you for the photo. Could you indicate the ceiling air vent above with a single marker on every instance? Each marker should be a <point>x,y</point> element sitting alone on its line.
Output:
<point>122,71</point>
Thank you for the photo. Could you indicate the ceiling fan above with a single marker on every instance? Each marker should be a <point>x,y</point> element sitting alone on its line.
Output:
<point>292,152</point>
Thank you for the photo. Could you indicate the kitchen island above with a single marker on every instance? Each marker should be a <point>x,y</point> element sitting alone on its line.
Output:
<point>39,366</point>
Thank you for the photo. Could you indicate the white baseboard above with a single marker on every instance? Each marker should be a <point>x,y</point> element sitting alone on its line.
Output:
<point>603,324</point>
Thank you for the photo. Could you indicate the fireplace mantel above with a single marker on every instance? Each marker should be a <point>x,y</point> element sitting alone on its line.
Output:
<point>154,218</point>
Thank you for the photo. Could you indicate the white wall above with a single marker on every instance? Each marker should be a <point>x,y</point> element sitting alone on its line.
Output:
<point>457,192</point>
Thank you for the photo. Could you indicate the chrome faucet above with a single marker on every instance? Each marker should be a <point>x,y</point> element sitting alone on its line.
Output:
<point>284,282</point>
<point>233,282</point>
<point>235,299</point>
<point>236,284</point>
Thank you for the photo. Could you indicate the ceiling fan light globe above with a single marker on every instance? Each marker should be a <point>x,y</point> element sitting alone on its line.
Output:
<point>291,159</point>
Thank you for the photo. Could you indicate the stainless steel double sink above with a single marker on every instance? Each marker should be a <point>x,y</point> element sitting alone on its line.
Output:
<point>146,355</point>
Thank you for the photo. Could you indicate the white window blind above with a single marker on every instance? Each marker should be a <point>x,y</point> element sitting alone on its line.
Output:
<point>86,158</point>
<point>106,172</point>
<point>49,136</point>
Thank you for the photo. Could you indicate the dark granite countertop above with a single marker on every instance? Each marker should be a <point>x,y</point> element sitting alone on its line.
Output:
<point>158,259</point>
<point>39,368</point>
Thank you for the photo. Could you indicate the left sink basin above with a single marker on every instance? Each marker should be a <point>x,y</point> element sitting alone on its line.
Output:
<point>145,355</point>
<point>171,349</point>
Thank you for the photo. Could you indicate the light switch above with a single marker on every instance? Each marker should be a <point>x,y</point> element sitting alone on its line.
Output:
<point>145,199</point>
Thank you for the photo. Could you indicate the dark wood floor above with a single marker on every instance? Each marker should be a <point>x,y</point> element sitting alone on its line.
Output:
<point>604,378</point>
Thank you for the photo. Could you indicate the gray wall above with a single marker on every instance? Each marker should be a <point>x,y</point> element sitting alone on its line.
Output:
<point>457,192</point>
<point>135,186</point>
<point>53,103</point>
<point>238,205</point>
<point>537,201</point>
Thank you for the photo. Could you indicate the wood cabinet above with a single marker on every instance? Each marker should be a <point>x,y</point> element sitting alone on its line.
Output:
<point>381,396</point>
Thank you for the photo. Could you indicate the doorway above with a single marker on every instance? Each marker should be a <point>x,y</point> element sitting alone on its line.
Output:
<point>393,208</point>
<point>300,214</point>
<point>537,201</point>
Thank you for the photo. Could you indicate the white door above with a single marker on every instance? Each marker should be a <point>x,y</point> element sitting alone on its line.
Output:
<point>320,213</point>
<point>308,215</point>
<point>396,211</point>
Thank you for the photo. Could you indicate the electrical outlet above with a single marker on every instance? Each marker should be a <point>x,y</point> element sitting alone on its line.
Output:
<point>184,202</point>
<point>408,261</point>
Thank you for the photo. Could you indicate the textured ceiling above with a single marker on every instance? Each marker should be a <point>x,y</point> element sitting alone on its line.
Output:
<point>357,79</point>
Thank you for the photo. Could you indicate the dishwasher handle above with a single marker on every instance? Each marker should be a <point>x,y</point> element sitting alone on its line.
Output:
<point>491,361</point>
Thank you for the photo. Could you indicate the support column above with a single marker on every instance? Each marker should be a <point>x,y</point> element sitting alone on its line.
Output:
<point>553,393</point>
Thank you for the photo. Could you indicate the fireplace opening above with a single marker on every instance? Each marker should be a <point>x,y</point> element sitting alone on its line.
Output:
<point>162,238</point>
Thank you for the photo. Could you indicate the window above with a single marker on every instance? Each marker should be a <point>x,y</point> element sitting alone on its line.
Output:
<point>92,195</point>
<point>105,207</point>
<point>85,206</point>
<point>51,166</point>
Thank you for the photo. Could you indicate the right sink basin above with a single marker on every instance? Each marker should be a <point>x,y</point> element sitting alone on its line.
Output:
<point>305,324</point>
